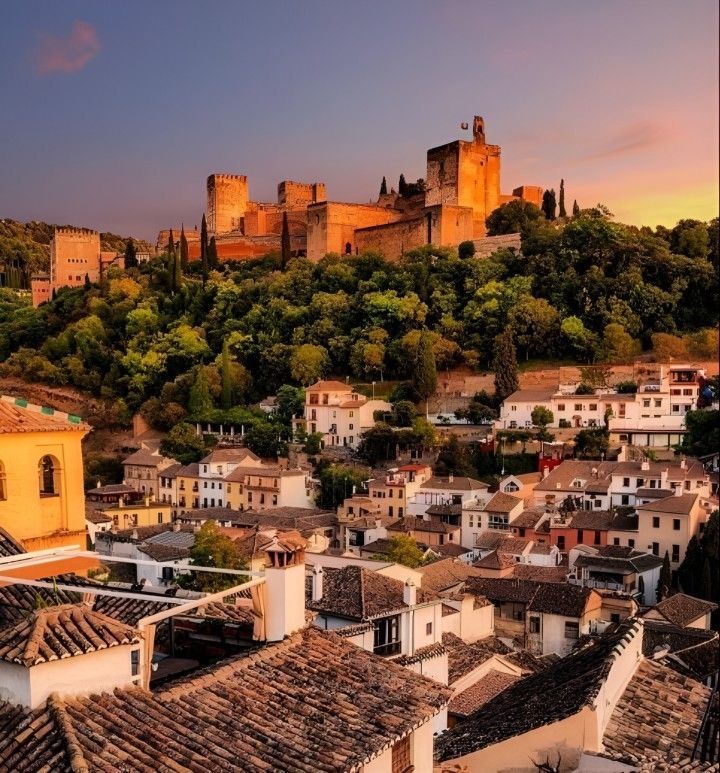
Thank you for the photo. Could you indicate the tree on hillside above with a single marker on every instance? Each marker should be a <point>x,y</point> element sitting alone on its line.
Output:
<point>212,255</point>
<point>338,482</point>
<point>703,432</point>
<point>383,186</point>
<point>549,204</point>
<point>170,247</point>
<point>184,444</point>
<point>561,202</point>
<point>517,216</point>
<point>184,250</point>
<point>541,417</point>
<point>264,440</point>
<point>424,368</point>
<point>402,185</point>
<point>665,580</point>
<point>454,459</point>
<point>226,397</point>
<point>505,366</point>
<point>576,208</point>
<point>308,363</point>
<point>200,401</point>
<point>466,249</point>
<point>403,550</point>
<point>204,249</point>
<point>130,254</point>
<point>592,443</point>
<point>285,243</point>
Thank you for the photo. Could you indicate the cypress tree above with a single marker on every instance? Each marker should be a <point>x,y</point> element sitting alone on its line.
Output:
<point>200,401</point>
<point>130,254</point>
<point>226,376</point>
<point>561,203</point>
<point>402,185</point>
<point>665,579</point>
<point>204,249</point>
<point>177,272</point>
<point>285,243</point>
<point>424,368</point>
<point>87,282</point>
<point>212,256</point>
<point>184,251</point>
<point>171,243</point>
<point>383,186</point>
<point>505,366</point>
<point>548,204</point>
<point>576,208</point>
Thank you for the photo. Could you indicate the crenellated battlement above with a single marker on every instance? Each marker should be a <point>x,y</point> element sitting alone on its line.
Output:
<point>66,231</point>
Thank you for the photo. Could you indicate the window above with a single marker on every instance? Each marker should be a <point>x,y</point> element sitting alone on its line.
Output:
<point>387,636</point>
<point>580,536</point>
<point>597,504</point>
<point>561,542</point>
<point>646,403</point>
<point>400,756</point>
<point>614,617</point>
<point>521,531</point>
<point>49,473</point>
<point>249,496</point>
<point>658,403</point>
<point>676,524</point>
<point>624,499</point>
<point>561,407</point>
<point>534,624</point>
<point>160,517</point>
<point>631,543</point>
<point>656,549</point>
<point>593,406</point>
<point>626,482</point>
<point>572,630</point>
<point>675,557</point>
<point>656,522</point>
<point>578,406</point>
<point>596,538</point>
<point>428,629</point>
<point>639,482</point>
<point>616,540</point>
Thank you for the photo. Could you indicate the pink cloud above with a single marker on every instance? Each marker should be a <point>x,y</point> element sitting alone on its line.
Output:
<point>67,53</point>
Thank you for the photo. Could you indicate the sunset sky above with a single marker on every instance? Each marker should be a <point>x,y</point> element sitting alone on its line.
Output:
<point>114,113</point>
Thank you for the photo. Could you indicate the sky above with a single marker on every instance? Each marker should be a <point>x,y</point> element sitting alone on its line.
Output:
<point>113,113</point>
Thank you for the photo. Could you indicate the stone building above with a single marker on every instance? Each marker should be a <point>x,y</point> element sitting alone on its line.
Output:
<point>462,187</point>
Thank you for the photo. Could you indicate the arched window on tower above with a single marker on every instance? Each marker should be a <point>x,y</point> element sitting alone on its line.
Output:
<point>49,476</point>
<point>348,248</point>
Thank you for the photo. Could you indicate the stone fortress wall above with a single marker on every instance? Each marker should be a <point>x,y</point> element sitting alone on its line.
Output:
<point>462,187</point>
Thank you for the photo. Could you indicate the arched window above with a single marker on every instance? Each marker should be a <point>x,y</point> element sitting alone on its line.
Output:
<point>49,475</point>
<point>348,248</point>
<point>3,489</point>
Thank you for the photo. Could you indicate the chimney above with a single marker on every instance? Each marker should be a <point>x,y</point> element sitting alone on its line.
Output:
<point>683,463</point>
<point>284,590</point>
<point>97,484</point>
<point>135,534</point>
<point>678,491</point>
<point>545,471</point>
<point>317,583</point>
<point>451,478</point>
<point>645,465</point>
<point>176,526</point>
<point>147,501</point>
<point>410,593</point>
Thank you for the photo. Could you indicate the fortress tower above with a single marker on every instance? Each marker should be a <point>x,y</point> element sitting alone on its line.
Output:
<point>74,252</point>
<point>227,200</point>
<point>466,174</point>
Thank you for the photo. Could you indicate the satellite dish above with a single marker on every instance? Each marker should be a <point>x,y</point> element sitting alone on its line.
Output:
<point>464,125</point>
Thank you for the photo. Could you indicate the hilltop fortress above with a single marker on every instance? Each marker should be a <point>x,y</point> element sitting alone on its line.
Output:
<point>462,187</point>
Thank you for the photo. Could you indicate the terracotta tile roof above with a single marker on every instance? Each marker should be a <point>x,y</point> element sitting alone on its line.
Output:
<point>463,657</point>
<point>478,694</point>
<point>677,505</point>
<point>692,651</point>
<point>428,652</point>
<point>162,553</point>
<point>144,457</point>
<point>329,386</point>
<point>495,560</point>
<point>456,484</point>
<point>129,611</point>
<point>502,503</point>
<point>408,523</point>
<point>300,518</point>
<point>490,539</point>
<point>451,549</point>
<point>529,518</point>
<point>356,593</point>
<point>313,703</point>
<point>17,602</point>
<point>513,545</point>
<point>540,573</point>
<point>660,711</point>
<point>112,488</point>
<point>139,533</point>
<point>549,696</point>
<point>529,663</point>
<point>630,563</point>
<point>444,574</point>
<point>540,396</point>
<point>548,597</point>
<point>17,415</point>
<point>682,609</point>
<point>597,520</point>
<point>229,455</point>
<point>96,516</point>
<point>60,632</point>
<point>354,630</point>
<point>9,546</point>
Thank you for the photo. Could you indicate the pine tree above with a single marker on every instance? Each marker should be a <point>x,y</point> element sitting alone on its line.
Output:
<point>665,579</point>
<point>226,376</point>
<point>505,366</point>
<point>402,185</point>
<point>548,204</point>
<point>184,251</point>
<point>130,254</point>
<point>383,186</point>
<point>171,243</point>
<point>576,208</point>
<point>285,243</point>
<point>561,203</point>
<point>424,368</point>
<point>212,256</point>
<point>204,249</point>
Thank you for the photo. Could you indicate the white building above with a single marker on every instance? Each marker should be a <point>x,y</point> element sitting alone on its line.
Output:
<point>444,491</point>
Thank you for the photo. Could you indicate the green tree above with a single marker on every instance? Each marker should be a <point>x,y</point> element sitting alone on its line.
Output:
<point>690,238</point>
<point>263,439</point>
<point>618,344</point>
<point>592,443</point>
<point>212,255</point>
<point>454,459</point>
<point>130,254</point>
<point>170,247</point>
<point>290,403</point>
<point>466,250</point>
<point>402,185</point>
<point>285,243</point>
<point>549,204</point>
<point>424,370</point>
<point>184,249</point>
<point>403,413</point>
<point>404,550</point>
<point>703,432</point>
<point>561,202</point>
<point>184,444</point>
<point>226,398</point>
<point>542,417</point>
<point>517,216</point>
<point>200,402</point>
<point>338,482</point>
<point>576,208</point>
<point>383,187</point>
<point>308,363</point>
<point>664,583</point>
<point>505,366</point>
<point>204,250</point>
<point>212,548</point>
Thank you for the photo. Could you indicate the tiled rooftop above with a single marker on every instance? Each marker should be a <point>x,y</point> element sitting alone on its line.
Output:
<point>682,609</point>
<point>17,415</point>
<point>312,703</point>
<point>463,657</point>
<point>442,575</point>
<point>478,694</point>
<point>9,546</point>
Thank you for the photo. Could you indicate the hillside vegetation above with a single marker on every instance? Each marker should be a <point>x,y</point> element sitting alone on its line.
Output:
<point>585,289</point>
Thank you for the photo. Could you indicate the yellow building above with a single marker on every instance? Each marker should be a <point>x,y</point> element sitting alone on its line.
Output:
<point>42,498</point>
<point>145,513</point>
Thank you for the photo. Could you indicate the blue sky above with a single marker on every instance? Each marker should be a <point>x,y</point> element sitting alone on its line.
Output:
<point>115,112</point>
